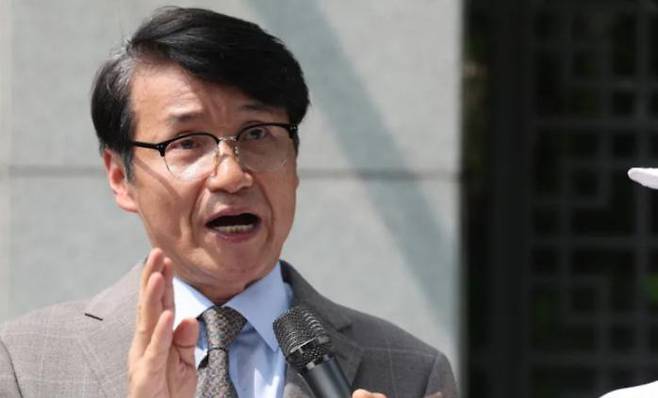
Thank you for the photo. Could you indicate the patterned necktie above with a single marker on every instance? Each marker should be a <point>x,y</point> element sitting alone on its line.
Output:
<point>223,325</point>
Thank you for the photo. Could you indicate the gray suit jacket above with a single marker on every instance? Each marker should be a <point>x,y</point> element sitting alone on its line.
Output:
<point>79,349</point>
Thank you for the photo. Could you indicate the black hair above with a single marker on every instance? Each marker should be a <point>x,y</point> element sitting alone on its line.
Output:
<point>210,46</point>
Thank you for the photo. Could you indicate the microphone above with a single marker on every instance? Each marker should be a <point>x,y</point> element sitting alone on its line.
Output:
<point>307,347</point>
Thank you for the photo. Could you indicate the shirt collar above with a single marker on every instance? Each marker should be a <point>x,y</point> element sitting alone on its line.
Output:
<point>261,303</point>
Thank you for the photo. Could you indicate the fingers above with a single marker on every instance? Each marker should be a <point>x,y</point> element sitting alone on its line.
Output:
<point>153,264</point>
<point>181,367</point>
<point>153,351</point>
<point>361,393</point>
<point>185,339</point>
<point>148,312</point>
<point>155,296</point>
<point>168,274</point>
<point>158,349</point>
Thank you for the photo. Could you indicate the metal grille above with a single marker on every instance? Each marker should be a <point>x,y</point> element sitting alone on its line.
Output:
<point>574,312</point>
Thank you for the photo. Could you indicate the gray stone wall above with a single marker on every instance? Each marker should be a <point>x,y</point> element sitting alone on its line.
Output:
<point>5,153</point>
<point>377,221</point>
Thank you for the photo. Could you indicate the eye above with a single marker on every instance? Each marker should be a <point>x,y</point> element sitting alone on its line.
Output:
<point>188,143</point>
<point>255,134</point>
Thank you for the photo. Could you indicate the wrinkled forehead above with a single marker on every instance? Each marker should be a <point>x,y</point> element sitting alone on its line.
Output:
<point>171,95</point>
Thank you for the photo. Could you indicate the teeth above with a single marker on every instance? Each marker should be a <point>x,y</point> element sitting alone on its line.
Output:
<point>235,229</point>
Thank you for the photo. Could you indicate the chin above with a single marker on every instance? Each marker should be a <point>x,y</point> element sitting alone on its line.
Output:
<point>243,265</point>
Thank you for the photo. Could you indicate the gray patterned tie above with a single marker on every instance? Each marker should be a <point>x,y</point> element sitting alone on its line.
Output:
<point>223,325</point>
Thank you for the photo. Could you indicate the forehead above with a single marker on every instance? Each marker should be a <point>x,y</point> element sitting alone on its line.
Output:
<point>166,93</point>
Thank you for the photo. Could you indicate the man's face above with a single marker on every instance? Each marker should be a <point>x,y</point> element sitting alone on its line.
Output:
<point>193,222</point>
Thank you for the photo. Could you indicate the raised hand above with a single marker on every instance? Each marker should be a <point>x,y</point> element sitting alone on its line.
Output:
<point>361,393</point>
<point>161,360</point>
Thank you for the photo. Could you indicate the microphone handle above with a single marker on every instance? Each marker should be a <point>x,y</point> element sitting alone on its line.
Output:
<point>327,380</point>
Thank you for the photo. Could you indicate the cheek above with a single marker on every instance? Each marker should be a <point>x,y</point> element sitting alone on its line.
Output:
<point>285,211</point>
<point>160,226</point>
<point>293,202</point>
<point>168,214</point>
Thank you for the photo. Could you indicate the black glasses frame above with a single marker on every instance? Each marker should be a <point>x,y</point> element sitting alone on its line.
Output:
<point>161,147</point>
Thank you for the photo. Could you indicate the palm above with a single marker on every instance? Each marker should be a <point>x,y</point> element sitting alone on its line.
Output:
<point>172,377</point>
<point>161,360</point>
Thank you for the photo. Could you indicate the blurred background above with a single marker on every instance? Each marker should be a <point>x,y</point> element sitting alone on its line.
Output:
<point>462,174</point>
<point>561,250</point>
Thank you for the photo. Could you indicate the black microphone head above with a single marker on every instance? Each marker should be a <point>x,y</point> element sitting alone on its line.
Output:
<point>302,337</point>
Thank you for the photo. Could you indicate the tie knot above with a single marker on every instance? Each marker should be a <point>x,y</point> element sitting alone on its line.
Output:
<point>223,324</point>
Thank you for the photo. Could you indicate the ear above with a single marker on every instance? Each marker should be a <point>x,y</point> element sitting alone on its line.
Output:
<point>118,180</point>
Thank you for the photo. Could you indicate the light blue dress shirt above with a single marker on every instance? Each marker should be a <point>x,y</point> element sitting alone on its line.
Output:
<point>256,365</point>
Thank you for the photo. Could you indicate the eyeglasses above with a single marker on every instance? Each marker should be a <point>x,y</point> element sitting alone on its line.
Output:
<point>258,147</point>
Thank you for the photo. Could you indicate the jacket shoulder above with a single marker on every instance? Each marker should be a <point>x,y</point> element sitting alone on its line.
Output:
<point>397,362</point>
<point>77,348</point>
<point>55,319</point>
<point>374,332</point>
<point>41,348</point>
<point>370,331</point>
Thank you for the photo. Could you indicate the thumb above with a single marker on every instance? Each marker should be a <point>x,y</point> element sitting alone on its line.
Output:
<point>185,338</point>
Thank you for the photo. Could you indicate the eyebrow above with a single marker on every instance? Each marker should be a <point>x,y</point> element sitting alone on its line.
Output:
<point>258,106</point>
<point>184,116</point>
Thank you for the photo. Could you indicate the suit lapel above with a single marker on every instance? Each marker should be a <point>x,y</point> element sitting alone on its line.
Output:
<point>106,343</point>
<point>347,352</point>
<point>112,313</point>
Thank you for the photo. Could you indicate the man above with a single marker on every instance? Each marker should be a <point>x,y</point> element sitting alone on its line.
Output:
<point>197,120</point>
<point>649,178</point>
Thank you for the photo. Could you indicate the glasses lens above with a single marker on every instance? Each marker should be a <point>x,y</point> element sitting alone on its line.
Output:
<point>264,148</point>
<point>191,156</point>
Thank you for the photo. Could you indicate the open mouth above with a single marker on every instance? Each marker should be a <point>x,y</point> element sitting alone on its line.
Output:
<point>235,224</point>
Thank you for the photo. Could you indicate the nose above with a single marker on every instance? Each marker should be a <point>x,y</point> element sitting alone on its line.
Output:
<point>228,175</point>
